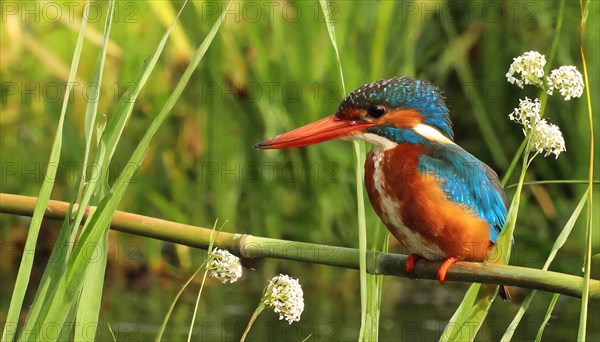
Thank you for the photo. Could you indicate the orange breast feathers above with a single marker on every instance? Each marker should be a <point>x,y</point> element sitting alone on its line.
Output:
<point>413,206</point>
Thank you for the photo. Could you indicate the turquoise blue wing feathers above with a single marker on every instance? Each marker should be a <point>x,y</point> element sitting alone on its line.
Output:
<point>468,181</point>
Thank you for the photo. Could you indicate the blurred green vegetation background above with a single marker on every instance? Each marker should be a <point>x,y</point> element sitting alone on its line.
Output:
<point>270,69</point>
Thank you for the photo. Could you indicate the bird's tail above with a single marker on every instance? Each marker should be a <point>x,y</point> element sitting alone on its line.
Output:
<point>504,294</point>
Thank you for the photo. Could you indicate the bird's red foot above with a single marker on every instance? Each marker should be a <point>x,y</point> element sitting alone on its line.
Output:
<point>444,268</point>
<point>410,263</point>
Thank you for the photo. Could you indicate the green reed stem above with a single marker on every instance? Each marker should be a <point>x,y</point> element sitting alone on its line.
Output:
<point>379,263</point>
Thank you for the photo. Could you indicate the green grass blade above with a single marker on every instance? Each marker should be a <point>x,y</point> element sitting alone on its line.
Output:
<point>66,331</point>
<point>461,314</point>
<point>166,15</point>
<point>90,297</point>
<point>378,242</point>
<point>50,277</point>
<point>378,233</point>
<point>560,241</point>
<point>566,231</point>
<point>116,125</point>
<point>359,152</point>
<point>538,337</point>
<point>92,105</point>
<point>24,273</point>
<point>556,181</point>
<point>587,256</point>
<point>114,132</point>
<point>466,321</point>
<point>362,238</point>
<point>60,253</point>
<point>67,236</point>
<point>112,334</point>
<point>88,309</point>
<point>101,160</point>
<point>513,164</point>
<point>331,31</point>
<point>370,285</point>
<point>54,312</point>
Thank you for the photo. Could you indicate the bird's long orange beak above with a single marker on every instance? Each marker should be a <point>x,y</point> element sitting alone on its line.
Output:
<point>325,129</point>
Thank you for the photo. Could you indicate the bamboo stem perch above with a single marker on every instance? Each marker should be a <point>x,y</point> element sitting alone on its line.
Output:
<point>249,246</point>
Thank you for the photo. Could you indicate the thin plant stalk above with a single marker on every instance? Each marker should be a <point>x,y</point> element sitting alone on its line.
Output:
<point>587,259</point>
<point>360,198</point>
<point>168,315</point>
<point>255,315</point>
<point>163,326</point>
<point>209,256</point>
<point>540,332</point>
<point>189,338</point>
<point>556,181</point>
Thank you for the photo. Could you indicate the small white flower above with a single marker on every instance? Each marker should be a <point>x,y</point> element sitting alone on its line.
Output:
<point>527,114</point>
<point>531,67</point>
<point>543,136</point>
<point>547,137</point>
<point>566,79</point>
<point>224,266</point>
<point>285,295</point>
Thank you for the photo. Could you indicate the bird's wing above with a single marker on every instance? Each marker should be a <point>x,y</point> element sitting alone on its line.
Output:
<point>468,181</point>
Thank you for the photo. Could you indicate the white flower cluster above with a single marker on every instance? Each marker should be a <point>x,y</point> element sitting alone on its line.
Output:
<point>547,137</point>
<point>531,67</point>
<point>224,266</point>
<point>527,112</point>
<point>543,136</point>
<point>566,79</point>
<point>285,295</point>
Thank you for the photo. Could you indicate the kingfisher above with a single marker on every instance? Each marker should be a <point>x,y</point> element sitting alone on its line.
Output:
<point>438,200</point>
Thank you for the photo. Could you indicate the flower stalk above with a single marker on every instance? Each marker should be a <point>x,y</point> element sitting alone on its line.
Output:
<point>285,295</point>
<point>255,315</point>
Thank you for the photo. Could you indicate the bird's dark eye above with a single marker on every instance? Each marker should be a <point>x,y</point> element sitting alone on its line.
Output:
<point>376,111</point>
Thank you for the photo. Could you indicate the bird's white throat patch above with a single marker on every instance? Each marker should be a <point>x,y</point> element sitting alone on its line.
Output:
<point>431,134</point>
<point>382,144</point>
<point>379,143</point>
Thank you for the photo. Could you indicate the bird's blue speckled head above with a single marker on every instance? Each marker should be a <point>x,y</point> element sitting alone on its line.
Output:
<point>385,113</point>
<point>402,93</point>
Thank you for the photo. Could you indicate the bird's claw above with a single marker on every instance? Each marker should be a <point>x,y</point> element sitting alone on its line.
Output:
<point>444,268</point>
<point>410,263</point>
